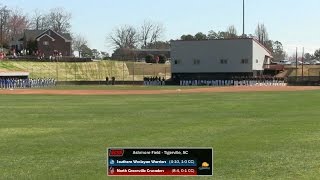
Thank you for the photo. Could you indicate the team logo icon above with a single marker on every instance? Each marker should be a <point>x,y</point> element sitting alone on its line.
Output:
<point>205,166</point>
<point>111,170</point>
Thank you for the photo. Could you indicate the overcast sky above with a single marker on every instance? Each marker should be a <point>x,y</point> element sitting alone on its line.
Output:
<point>294,23</point>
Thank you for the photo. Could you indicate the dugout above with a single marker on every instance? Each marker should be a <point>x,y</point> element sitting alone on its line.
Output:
<point>14,74</point>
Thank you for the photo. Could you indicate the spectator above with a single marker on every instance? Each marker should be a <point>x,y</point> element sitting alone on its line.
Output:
<point>107,80</point>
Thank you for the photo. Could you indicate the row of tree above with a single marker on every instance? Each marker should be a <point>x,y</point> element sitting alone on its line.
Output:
<point>308,56</point>
<point>231,32</point>
<point>149,35</point>
<point>80,44</point>
<point>93,53</point>
<point>127,37</point>
<point>15,21</point>
<point>146,36</point>
<point>316,55</point>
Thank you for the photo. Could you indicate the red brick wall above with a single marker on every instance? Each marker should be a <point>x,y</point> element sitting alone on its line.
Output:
<point>59,45</point>
<point>47,50</point>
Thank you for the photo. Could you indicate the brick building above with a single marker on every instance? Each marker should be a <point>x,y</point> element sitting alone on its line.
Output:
<point>45,42</point>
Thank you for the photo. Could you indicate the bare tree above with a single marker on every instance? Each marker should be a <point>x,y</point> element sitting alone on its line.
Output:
<point>146,30</point>
<point>262,34</point>
<point>78,42</point>
<point>17,23</point>
<point>157,32</point>
<point>39,21</point>
<point>231,31</point>
<point>4,19</point>
<point>150,33</point>
<point>124,37</point>
<point>59,20</point>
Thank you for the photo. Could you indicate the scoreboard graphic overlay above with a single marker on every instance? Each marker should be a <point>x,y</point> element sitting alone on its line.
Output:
<point>160,162</point>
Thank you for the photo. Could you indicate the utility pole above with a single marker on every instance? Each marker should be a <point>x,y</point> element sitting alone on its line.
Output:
<point>302,64</point>
<point>296,63</point>
<point>243,18</point>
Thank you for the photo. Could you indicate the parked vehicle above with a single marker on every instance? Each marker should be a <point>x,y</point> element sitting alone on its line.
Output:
<point>315,62</point>
<point>299,63</point>
<point>285,62</point>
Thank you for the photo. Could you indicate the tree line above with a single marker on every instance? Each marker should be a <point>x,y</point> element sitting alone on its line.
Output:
<point>146,36</point>
<point>261,34</point>
<point>307,56</point>
<point>13,22</point>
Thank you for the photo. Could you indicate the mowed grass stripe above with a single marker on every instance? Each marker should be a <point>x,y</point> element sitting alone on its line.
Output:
<point>254,135</point>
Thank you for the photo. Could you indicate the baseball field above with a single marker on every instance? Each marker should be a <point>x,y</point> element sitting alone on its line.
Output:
<point>273,134</point>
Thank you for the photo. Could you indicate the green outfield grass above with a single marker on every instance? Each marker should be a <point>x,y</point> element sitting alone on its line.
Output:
<point>273,135</point>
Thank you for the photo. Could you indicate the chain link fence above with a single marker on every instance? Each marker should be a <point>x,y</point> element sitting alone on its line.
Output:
<point>308,75</point>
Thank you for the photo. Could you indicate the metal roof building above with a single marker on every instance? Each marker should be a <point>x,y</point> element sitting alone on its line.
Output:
<point>221,58</point>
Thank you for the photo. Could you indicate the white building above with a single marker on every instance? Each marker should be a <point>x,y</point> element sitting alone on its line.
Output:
<point>221,58</point>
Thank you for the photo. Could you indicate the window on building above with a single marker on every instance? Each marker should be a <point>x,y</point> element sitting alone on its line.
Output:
<point>196,61</point>
<point>223,61</point>
<point>46,43</point>
<point>244,61</point>
<point>177,61</point>
<point>257,60</point>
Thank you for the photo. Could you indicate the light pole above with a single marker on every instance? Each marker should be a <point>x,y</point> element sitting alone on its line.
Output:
<point>243,19</point>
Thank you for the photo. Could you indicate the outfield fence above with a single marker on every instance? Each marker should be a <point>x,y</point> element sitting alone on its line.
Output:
<point>308,75</point>
<point>304,81</point>
<point>306,71</point>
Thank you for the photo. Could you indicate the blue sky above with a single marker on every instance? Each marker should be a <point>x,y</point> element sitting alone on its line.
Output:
<point>293,22</point>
